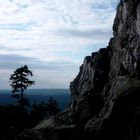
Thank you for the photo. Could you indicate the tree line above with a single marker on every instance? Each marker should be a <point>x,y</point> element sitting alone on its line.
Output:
<point>15,118</point>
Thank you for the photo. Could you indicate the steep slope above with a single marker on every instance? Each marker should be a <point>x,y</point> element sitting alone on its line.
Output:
<point>106,92</point>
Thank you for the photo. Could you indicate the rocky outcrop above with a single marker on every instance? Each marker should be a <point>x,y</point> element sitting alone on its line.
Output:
<point>106,92</point>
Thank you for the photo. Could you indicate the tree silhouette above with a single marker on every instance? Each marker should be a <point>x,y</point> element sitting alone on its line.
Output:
<point>52,107</point>
<point>44,109</point>
<point>20,82</point>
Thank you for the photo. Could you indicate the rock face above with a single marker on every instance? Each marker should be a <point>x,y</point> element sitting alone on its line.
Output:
<point>106,92</point>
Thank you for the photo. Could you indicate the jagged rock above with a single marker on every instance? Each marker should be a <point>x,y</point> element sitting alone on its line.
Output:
<point>106,92</point>
<point>124,71</point>
<point>88,85</point>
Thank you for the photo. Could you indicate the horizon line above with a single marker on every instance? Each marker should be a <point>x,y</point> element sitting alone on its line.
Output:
<point>40,89</point>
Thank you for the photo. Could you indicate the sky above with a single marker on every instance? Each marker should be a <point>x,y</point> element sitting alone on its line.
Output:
<point>52,37</point>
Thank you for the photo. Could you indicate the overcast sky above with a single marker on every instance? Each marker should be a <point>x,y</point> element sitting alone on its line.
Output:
<point>52,37</point>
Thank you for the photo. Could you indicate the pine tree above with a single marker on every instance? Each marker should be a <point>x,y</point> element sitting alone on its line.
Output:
<point>20,82</point>
<point>52,107</point>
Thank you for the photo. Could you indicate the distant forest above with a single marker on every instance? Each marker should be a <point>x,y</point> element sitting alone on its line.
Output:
<point>14,118</point>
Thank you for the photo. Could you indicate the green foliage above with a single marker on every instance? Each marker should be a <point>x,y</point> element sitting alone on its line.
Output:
<point>20,82</point>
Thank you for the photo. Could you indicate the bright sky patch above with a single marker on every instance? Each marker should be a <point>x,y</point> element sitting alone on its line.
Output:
<point>52,37</point>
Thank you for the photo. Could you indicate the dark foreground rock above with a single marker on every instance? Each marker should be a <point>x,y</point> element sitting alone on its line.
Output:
<point>106,92</point>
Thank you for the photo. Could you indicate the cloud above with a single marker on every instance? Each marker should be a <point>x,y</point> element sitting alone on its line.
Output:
<point>94,34</point>
<point>20,27</point>
<point>53,36</point>
<point>43,72</point>
<point>13,61</point>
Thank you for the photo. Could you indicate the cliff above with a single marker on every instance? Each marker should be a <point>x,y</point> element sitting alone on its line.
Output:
<point>106,92</point>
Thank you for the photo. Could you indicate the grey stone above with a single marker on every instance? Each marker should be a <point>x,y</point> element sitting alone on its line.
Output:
<point>106,92</point>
